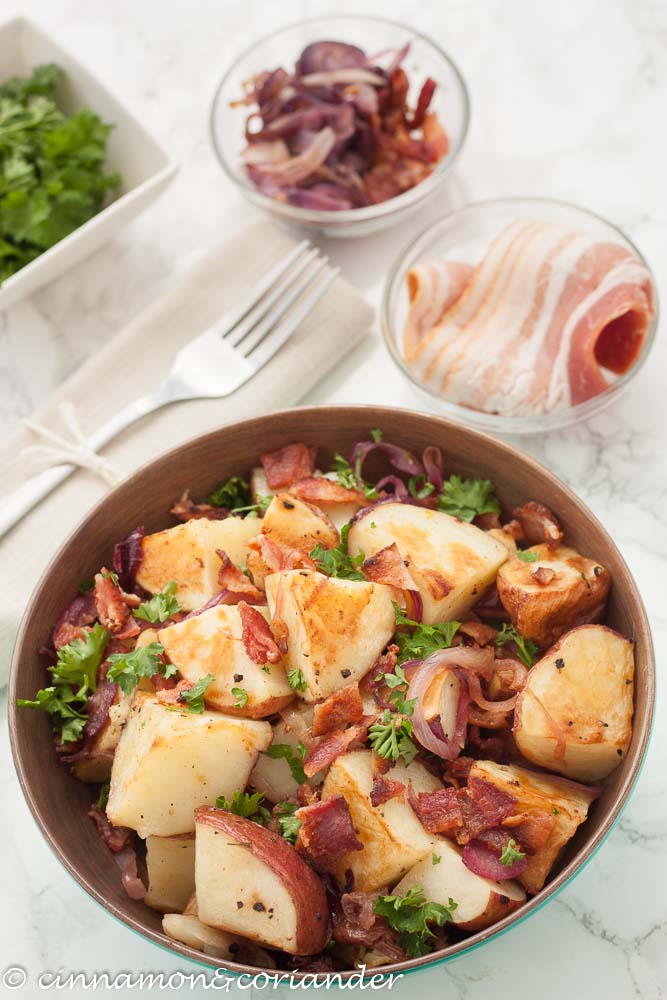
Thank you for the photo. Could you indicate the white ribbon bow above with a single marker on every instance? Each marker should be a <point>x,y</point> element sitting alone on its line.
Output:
<point>76,451</point>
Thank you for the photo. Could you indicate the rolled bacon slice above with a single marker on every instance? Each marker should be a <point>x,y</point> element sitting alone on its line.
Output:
<point>547,316</point>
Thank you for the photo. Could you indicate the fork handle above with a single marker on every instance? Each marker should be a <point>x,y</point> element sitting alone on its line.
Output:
<point>22,500</point>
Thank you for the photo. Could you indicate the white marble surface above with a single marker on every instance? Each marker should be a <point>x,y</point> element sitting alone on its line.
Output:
<point>569,100</point>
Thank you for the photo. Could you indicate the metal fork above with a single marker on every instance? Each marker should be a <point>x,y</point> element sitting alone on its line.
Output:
<point>213,364</point>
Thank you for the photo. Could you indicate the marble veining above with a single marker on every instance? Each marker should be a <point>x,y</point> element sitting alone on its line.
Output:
<point>568,101</point>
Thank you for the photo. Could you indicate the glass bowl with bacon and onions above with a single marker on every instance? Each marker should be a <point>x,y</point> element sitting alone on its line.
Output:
<point>342,124</point>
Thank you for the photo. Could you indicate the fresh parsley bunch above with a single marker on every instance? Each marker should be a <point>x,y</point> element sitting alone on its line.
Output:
<point>74,679</point>
<point>416,641</point>
<point>413,916</point>
<point>337,562</point>
<point>466,498</point>
<point>52,176</point>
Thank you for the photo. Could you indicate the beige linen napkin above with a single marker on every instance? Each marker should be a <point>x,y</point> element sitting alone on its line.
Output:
<point>134,362</point>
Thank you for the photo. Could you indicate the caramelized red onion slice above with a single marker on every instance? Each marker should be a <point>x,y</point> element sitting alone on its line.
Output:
<point>432,459</point>
<point>491,707</point>
<point>297,168</point>
<point>330,78</point>
<point>459,662</point>
<point>400,458</point>
<point>325,56</point>
<point>414,606</point>
<point>482,861</point>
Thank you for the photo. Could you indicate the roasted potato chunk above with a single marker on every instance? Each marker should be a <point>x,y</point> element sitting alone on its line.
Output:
<point>393,838</point>
<point>170,862</point>
<point>292,524</point>
<point>211,643</point>
<point>336,628</point>
<point>558,591</point>
<point>566,801</point>
<point>169,762</point>
<point>272,775</point>
<point>574,715</point>
<point>338,513</point>
<point>188,929</point>
<point>187,554</point>
<point>451,562</point>
<point>443,876</point>
<point>96,765</point>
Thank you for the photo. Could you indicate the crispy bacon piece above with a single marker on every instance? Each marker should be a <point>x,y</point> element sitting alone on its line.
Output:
<point>277,557</point>
<point>480,633</point>
<point>384,788</point>
<point>326,831</point>
<point>487,521</point>
<point>173,694</point>
<point>287,465</point>
<point>187,510</point>
<point>539,524</point>
<point>98,706</point>
<point>70,625</point>
<point>231,578</point>
<point>257,637</point>
<point>531,830</point>
<point>332,745</point>
<point>340,709</point>
<point>115,837</point>
<point>490,606</point>
<point>112,610</point>
<point>484,860</point>
<point>66,633</point>
<point>439,811</point>
<point>356,922</point>
<point>318,489</point>
<point>388,566</point>
<point>483,806</point>
<point>384,664</point>
<point>543,575</point>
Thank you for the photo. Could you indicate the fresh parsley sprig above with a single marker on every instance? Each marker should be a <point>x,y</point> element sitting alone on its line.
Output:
<point>336,562</point>
<point>416,641</point>
<point>160,607</point>
<point>511,852</point>
<point>288,823</point>
<point>294,756</point>
<point>350,479</point>
<point>296,679</point>
<point>398,685</point>
<point>127,669</point>
<point>194,696</point>
<point>413,916</point>
<point>241,696</point>
<point>526,648</point>
<point>245,805</point>
<point>525,555</point>
<point>74,679</point>
<point>391,738</point>
<point>466,498</point>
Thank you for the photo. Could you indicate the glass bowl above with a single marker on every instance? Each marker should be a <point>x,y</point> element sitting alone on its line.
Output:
<point>464,235</point>
<point>282,48</point>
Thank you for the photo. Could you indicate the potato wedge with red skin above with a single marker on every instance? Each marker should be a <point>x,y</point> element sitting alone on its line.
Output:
<point>252,882</point>
<point>480,902</point>
<point>574,714</point>
<point>575,595</point>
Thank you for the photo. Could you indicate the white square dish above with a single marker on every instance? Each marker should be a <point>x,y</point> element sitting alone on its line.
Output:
<point>144,166</point>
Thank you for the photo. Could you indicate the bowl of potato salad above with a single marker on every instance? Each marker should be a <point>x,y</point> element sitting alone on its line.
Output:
<point>330,690</point>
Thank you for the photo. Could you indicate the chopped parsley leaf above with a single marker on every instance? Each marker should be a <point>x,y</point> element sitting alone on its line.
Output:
<point>128,668</point>
<point>391,738</point>
<point>241,696</point>
<point>511,853</point>
<point>294,756</point>
<point>296,679</point>
<point>288,823</point>
<point>423,639</point>
<point>336,562</point>
<point>412,916</point>
<point>526,556</point>
<point>194,696</point>
<point>160,607</point>
<point>466,498</point>
<point>525,647</point>
<point>247,806</point>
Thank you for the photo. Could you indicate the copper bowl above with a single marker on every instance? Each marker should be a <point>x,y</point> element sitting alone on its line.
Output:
<point>59,802</point>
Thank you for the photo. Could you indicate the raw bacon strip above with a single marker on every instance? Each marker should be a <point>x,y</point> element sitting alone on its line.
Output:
<point>288,464</point>
<point>257,637</point>
<point>326,831</point>
<point>319,489</point>
<point>341,708</point>
<point>388,566</point>
<point>112,610</point>
<point>232,579</point>
<point>546,313</point>
<point>433,287</point>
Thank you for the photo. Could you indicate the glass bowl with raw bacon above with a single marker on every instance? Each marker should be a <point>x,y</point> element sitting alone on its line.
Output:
<point>520,315</point>
<point>358,702</point>
<point>341,124</point>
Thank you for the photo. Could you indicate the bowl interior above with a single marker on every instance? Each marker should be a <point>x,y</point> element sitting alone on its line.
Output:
<point>375,36</point>
<point>465,235</point>
<point>59,802</point>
